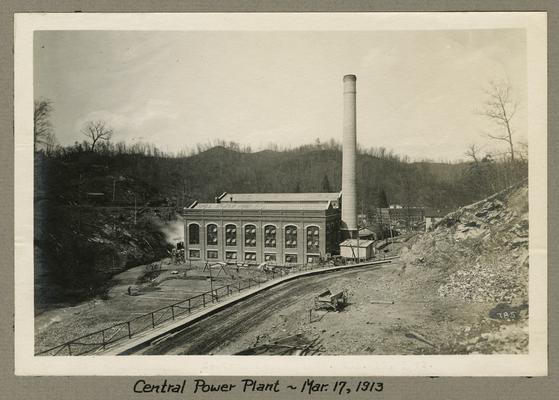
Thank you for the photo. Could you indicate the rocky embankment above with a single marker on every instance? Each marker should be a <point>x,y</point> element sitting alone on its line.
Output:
<point>479,254</point>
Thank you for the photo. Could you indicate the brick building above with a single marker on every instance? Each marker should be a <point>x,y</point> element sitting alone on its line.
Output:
<point>283,228</point>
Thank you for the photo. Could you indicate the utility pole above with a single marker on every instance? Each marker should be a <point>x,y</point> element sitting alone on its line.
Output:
<point>211,284</point>
<point>390,226</point>
<point>114,188</point>
<point>361,224</point>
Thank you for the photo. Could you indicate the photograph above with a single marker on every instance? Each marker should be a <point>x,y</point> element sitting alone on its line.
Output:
<point>337,185</point>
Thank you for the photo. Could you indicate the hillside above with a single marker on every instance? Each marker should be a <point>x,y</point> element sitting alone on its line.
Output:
<point>479,254</point>
<point>202,176</point>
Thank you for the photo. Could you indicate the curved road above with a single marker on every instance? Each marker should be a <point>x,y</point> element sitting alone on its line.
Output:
<point>233,322</point>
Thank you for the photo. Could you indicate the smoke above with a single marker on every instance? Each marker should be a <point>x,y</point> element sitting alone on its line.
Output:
<point>173,231</point>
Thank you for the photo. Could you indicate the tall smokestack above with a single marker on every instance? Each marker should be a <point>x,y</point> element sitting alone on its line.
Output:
<point>349,191</point>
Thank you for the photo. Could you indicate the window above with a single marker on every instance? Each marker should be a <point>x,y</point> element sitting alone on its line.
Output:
<point>250,236</point>
<point>270,257</point>
<point>193,234</point>
<point>270,236</point>
<point>291,237</point>
<point>230,235</point>
<point>313,259</point>
<point>250,256</point>
<point>194,253</point>
<point>211,234</point>
<point>230,255</point>
<point>212,254</point>
<point>291,258</point>
<point>313,241</point>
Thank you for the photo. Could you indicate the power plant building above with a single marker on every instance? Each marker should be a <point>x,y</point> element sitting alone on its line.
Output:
<point>282,228</point>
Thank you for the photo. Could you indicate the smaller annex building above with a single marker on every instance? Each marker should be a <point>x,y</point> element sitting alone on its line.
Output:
<point>357,249</point>
<point>280,228</point>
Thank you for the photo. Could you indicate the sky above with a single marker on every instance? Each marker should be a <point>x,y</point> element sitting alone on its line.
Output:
<point>418,92</point>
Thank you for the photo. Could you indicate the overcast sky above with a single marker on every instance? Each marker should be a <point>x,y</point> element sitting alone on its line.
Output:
<point>417,91</point>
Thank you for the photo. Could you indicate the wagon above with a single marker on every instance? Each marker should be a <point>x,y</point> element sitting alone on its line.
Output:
<point>329,301</point>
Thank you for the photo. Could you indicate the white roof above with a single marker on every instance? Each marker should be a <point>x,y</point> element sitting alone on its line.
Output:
<point>278,197</point>
<point>354,243</point>
<point>261,206</point>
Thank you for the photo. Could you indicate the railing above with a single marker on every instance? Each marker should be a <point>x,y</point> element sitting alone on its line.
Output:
<point>99,340</point>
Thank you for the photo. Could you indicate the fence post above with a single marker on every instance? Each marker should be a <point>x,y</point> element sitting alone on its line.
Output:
<point>152,320</point>
<point>188,306</point>
<point>103,335</point>
<point>228,290</point>
<point>216,297</point>
<point>129,330</point>
<point>204,299</point>
<point>69,349</point>
<point>173,312</point>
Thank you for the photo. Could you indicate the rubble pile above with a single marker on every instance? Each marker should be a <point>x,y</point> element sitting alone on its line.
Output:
<point>480,250</point>
<point>485,283</point>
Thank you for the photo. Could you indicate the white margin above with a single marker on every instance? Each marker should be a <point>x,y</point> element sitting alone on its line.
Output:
<point>532,364</point>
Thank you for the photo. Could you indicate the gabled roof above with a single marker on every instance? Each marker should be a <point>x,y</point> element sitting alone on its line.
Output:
<point>365,232</point>
<point>261,206</point>
<point>278,197</point>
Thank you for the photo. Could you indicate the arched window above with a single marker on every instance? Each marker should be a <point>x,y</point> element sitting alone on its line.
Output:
<point>313,239</point>
<point>250,236</point>
<point>211,234</point>
<point>193,234</point>
<point>230,235</point>
<point>290,236</point>
<point>270,236</point>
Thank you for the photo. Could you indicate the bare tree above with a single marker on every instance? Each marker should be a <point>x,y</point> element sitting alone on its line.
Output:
<point>96,131</point>
<point>473,153</point>
<point>42,127</point>
<point>500,107</point>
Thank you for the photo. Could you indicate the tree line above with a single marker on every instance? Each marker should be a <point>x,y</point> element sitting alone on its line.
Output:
<point>207,169</point>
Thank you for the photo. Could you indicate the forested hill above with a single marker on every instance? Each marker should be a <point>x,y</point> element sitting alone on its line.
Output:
<point>69,175</point>
<point>314,170</point>
<point>100,212</point>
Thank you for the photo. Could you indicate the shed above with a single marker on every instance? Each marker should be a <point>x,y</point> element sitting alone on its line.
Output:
<point>354,248</point>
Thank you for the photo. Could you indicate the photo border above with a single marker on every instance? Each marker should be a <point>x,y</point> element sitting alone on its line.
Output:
<point>419,388</point>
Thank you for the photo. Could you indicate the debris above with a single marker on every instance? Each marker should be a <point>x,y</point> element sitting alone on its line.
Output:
<point>417,336</point>
<point>294,345</point>
<point>382,301</point>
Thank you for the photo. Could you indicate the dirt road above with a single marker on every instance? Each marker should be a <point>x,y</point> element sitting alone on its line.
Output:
<point>231,327</point>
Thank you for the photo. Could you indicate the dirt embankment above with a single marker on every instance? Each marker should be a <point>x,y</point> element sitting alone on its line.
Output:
<point>479,255</point>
